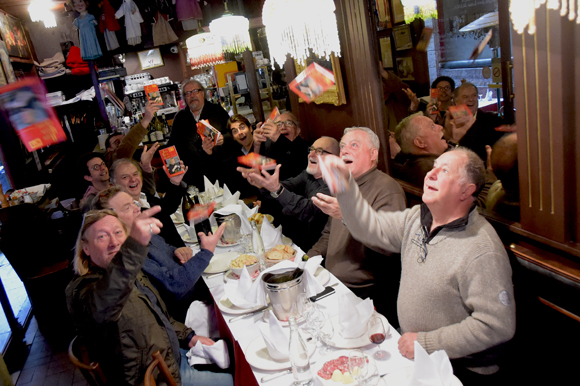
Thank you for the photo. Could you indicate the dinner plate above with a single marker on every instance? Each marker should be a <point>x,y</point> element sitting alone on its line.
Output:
<point>220,262</point>
<point>340,342</point>
<point>257,354</point>
<point>185,237</point>
<point>330,382</point>
<point>400,377</point>
<point>229,308</point>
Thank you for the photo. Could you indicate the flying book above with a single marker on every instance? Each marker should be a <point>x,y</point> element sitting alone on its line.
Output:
<point>312,82</point>
<point>257,161</point>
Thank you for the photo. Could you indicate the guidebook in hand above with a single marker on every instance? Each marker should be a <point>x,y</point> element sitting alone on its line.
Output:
<point>205,130</point>
<point>171,163</point>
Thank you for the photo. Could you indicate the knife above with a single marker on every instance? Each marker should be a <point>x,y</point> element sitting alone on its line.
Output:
<point>277,375</point>
<point>248,314</point>
<point>327,292</point>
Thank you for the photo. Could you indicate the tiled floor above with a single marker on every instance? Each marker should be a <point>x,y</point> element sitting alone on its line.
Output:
<point>46,365</point>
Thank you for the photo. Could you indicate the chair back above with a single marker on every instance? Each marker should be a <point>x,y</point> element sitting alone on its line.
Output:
<point>159,362</point>
<point>79,356</point>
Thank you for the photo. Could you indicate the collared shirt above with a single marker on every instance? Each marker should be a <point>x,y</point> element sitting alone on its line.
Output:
<point>142,202</point>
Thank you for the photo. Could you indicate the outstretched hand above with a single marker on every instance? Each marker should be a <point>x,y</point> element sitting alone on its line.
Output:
<point>145,225</point>
<point>210,241</point>
<point>147,156</point>
<point>328,205</point>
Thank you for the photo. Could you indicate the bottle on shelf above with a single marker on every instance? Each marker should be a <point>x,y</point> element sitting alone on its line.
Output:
<point>298,353</point>
<point>258,245</point>
<point>166,130</point>
<point>159,135</point>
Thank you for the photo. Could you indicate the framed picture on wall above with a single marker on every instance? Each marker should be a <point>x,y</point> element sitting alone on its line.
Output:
<point>405,68</point>
<point>150,58</point>
<point>14,37</point>
<point>402,37</point>
<point>386,52</point>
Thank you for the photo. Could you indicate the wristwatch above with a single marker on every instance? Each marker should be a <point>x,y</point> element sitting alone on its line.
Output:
<point>278,192</point>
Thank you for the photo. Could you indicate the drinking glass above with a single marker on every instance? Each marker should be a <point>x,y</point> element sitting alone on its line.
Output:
<point>372,377</point>
<point>357,364</point>
<point>326,334</point>
<point>377,334</point>
<point>303,305</point>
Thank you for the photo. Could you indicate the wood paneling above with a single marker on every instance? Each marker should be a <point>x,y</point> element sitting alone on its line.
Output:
<point>545,102</point>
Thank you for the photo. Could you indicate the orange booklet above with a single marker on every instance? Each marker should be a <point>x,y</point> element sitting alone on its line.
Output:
<point>312,82</point>
<point>460,111</point>
<point>200,212</point>
<point>153,94</point>
<point>33,119</point>
<point>257,161</point>
<point>273,115</point>
<point>204,129</point>
<point>171,163</point>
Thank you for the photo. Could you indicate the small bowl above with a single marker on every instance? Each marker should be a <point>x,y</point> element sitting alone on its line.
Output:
<point>252,269</point>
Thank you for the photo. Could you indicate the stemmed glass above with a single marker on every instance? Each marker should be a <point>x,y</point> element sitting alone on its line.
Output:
<point>372,377</point>
<point>377,335</point>
<point>326,333</point>
<point>357,364</point>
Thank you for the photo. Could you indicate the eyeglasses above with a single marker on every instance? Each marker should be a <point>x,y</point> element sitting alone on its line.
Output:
<point>194,92</point>
<point>287,123</point>
<point>318,150</point>
<point>444,88</point>
<point>98,166</point>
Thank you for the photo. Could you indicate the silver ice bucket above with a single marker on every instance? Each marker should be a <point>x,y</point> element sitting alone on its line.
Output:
<point>283,289</point>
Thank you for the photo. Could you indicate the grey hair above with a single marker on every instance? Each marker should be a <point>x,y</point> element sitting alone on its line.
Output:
<point>372,136</point>
<point>474,170</point>
<point>118,163</point>
<point>406,132</point>
<point>463,85</point>
<point>191,80</point>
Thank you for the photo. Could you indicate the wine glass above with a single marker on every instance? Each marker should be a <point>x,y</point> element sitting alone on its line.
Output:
<point>377,335</point>
<point>357,364</point>
<point>372,377</point>
<point>326,334</point>
<point>315,320</point>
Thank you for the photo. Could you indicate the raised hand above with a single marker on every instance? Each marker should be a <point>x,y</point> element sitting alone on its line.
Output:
<point>147,156</point>
<point>150,109</point>
<point>176,180</point>
<point>328,205</point>
<point>209,242</point>
<point>145,225</point>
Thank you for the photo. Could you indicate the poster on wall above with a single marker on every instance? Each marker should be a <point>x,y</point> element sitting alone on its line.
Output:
<point>386,52</point>
<point>14,37</point>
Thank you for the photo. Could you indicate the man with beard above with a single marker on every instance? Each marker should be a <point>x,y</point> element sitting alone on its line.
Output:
<point>301,220</point>
<point>367,272</point>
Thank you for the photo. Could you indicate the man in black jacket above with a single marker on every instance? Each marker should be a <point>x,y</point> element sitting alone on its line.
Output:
<point>201,156</point>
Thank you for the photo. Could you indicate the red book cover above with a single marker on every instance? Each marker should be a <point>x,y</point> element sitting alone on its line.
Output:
<point>204,129</point>
<point>153,94</point>
<point>200,212</point>
<point>273,115</point>
<point>35,122</point>
<point>459,111</point>
<point>171,163</point>
<point>257,161</point>
<point>312,82</point>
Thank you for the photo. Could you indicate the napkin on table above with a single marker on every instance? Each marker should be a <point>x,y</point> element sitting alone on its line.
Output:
<point>275,337</point>
<point>353,319</point>
<point>209,187</point>
<point>227,193</point>
<point>270,236</point>
<point>431,370</point>
<point>229,199</point>
<point>236,290</point>
<point>201,354</point>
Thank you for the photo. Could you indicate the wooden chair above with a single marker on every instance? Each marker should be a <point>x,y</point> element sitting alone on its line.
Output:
<point>159,362</point>
<point>79,356</point>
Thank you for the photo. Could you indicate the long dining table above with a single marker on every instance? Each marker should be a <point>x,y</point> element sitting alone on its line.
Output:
<point>244,332</point>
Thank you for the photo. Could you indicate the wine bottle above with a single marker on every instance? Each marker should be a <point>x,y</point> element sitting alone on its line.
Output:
<point>298,353</point>
<point>158,129</point>
<point>166,131</point>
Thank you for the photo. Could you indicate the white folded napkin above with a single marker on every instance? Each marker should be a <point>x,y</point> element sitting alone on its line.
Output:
<point>270,236</point>
<point>247,211</point>
<point>353,319</point>
<point>275,337</point>
<point>209,187</point>
<point>431,370</point>
<point>236,290</point>
<point>231,199</point>
<point>201,318</point>
<point>227,193</point>
<point>246,228</point>
<point>201,354</point>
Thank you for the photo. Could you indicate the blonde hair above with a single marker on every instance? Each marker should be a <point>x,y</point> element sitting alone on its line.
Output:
<point>81,259</point>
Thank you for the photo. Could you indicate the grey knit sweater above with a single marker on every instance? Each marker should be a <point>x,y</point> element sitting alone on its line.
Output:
<point>460,298</point>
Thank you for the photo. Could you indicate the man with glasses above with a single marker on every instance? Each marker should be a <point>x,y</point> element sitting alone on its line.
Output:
<point>201,156</point>
<point>301,220</point>
<point>281,141</point>
<point>97,176</point>
<point>364,270</point>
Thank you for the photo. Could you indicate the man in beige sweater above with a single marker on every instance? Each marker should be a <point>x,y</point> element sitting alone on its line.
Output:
<point>456,290</point>
<point>364,269</point>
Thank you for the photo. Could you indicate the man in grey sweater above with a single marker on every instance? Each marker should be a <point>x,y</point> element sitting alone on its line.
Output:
<point>456,291</point>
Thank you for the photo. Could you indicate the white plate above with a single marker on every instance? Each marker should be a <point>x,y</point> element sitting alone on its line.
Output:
<point>219,263</point>
<point>185,237</point>
<point>226,306</point>
<point>363,340</point>
<point>220,244</point>
<point>330,382</point>
<point>257,354</point>
<point>400,377</point>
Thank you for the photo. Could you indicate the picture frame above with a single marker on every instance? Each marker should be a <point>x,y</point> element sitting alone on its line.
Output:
<point>335,95</point>
<point>150,59</point>
<point>405,68</point>
<point>14,36</point>
<point>402,37</point>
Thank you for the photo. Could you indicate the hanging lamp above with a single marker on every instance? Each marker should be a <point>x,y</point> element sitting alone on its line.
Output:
<point>523,12</point>
<point>233,33</point>
<point>203,51</point>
